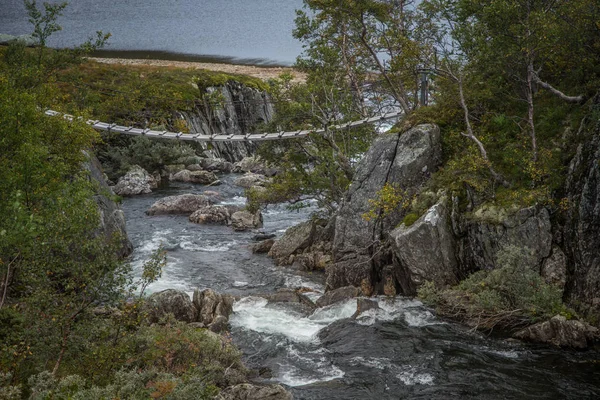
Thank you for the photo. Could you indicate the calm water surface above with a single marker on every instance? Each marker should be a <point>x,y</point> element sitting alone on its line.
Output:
<point>256,31</point>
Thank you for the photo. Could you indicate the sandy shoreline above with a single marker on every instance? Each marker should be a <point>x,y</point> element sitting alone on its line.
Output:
<point>264,73</point>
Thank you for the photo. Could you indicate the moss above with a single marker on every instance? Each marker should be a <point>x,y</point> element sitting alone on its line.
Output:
<point>410,219</point>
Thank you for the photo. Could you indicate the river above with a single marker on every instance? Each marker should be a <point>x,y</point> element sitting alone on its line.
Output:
<point>401,351</point>
<point>241,31</point>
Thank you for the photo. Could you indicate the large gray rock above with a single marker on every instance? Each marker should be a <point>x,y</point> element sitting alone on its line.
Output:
<point>337,295</point>
<point>170,301</point>
<point>250,391</point>
<point>263,246</point>
<point>112,219</point>
<point>425,251</point>
<point>201,177</point>
<point>211,215</point>
<point>404,160</point>
<point>181,204</point>
<point>296,238</point>
<point>290,296</point>
<point>245,220</point>
<point>249,180</point>
<point>560,332</point>
<point>554,268</point>
<point>213,309</point>
<point>217,164</point>
<point>493,230</point>
<point>136,181</point>
<point>582,227</point>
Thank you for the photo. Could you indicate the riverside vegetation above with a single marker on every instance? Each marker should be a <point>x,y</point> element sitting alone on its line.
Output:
<point>509,137</point>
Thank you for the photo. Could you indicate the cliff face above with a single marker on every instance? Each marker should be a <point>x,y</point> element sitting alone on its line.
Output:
<point>236,109</point>
<point>581,230</point>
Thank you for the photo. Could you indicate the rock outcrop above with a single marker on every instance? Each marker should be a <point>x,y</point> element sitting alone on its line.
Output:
<point>263,247</point>
<point>136,181</point>
<point>404,160</point>
<point>218,215</point>
<point>244,107</point>
<point>112,219</point>
<point>425,251</point>
<point>290,296</point>
<point>559,331</point>
<point>201,177</point>
<point>245,220</point>
<point>181,204</point>
<point>170,301</point>
<point>581,231</point>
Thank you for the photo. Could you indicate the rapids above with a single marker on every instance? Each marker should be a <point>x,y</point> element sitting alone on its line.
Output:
<point>399,351</point>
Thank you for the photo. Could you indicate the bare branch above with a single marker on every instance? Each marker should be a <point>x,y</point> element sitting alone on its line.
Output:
<point>553,90</point>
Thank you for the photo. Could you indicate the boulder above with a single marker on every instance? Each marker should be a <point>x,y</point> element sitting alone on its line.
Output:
<point>363,305</point>
<point>559,331</point>
<point>425,251</point>
<point>312,260</point>
<point>211,215</point>
<point>250,391</point>
<point>181,204</point>
<point>249,180</point>
<point>263,236</point>
<point>170,301</point>
<point>405,160</point>
<point>293,240</point>
<point>245,220</point>
<point>250,164</point>
<point>201,177</point>
<point>194,167</point>
<point>492,230</point>
<point>263,247</point>
<point>337,295</point>
<point>290,296</point>
<point>213,309</point>
<point>217,164</point>
<point>212,195</point>
<point>136,181</point>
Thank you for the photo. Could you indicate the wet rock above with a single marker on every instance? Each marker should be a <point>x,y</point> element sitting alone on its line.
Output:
<point>353,270</point>
<point>213,196</point>
<point>245,220</point>
<point>181,204</point>
<point>136,181</point>
<point>217,164</point>
<point>290,296</point>
<point>263,236</point>
<point>363,305</point>
<point>249,180</point>
<point>170,301</point>
<point>559,331</point>
<point>211,215</point>
<point>213,308</point>
<point>337,295</point>
<point>294,239</point>
<point>249,391</point>
<point>554,269</point>
<point>201,177</point>
<point>425,251</point>
<point>263,247</point>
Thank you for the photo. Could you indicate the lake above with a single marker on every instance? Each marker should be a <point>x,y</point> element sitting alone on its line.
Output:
<point>243,31</point>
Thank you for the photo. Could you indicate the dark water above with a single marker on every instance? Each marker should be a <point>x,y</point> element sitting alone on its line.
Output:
<point>401,351</point>
<point>258,31</point>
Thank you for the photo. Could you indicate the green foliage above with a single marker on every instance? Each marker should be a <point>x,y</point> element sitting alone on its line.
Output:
<point>388,200</point>
<point>410,219</point>
<point>513,291</point>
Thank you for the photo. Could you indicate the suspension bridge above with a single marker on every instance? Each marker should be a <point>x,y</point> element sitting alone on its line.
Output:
<point>198,137</point>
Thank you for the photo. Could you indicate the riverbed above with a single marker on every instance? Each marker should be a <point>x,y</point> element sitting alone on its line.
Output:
<point>400,351</point>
